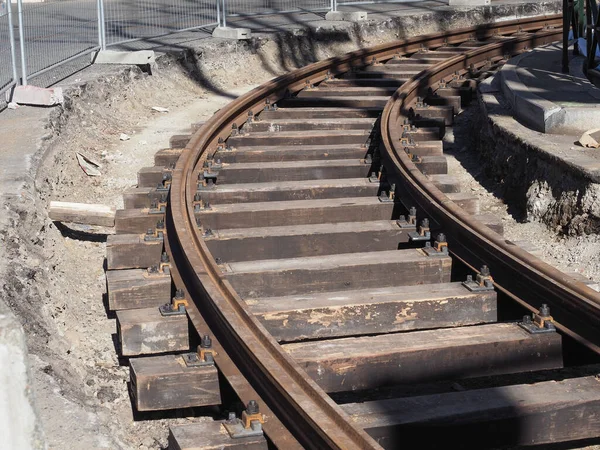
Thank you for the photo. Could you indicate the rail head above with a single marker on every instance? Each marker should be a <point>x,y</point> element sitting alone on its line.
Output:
<point>311,415</point>
<point>568,296</point>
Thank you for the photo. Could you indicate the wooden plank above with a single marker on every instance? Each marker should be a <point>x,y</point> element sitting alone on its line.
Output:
<point>132,251</point>
<point>368,82</point>
<point>277,125</point>
<point>211,436</point>
<point>292,153</point>
<point>492,221</point>
<point>86,213</point>
<point>167,157</point>
<point>445,183</point>
<point>278,277</point>
<point>270,214</point>
<point>140,198</point>
<point>165,382</point>
<point>347,91</point>
<point>136,221</point>
<point>427,148</point>
<point>264,172</point>
<point>243,244</point>
<point>319,113</point>
<point>179,140</point>
<point>370,362</point>
<point>151,176</point>
<point>290,190</point>
<point>135,288</point>
<point>435,165</point>
<point>371,311</point>
<point>445,113</point>
<point>527,414</point>
<point>468,202</point>
<point>326,137</point>
<point>425,133</point>
<point>336,102</point>
<point>146,331</point>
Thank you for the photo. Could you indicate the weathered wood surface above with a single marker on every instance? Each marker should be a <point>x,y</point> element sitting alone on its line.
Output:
<point>528,414</point>
<point>243,244</point>
<point>370,362</point>
<point>336,102</point>
<point>134,288</point>
<point>269,214</point>
<point>165,382</point>
<point>131,251</point>
<point>85,213</point>
<point>290,190</point>
<point>263,172</point>
<point>179,140</point>
<point>136,221</point>
<point>211,436</point>
<point>492,221</point>
<point>347,91</point>
<point>140,198</point>
<point>468,202</point>
<point>146,331</point>
<point>292,153</point>
<point>371,311</point>
<point>277,277</point>
<point>277,125</point>
<point>151,176</point>
<point>301,138</point>
<point>445,183</point>
<point>320,113</point>
<point>167,157</point>
<point>444,113</point>
<point>433,165</point>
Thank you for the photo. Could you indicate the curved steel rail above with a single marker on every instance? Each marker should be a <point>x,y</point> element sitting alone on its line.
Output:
<point>527,279</point>
<point>314,419</point>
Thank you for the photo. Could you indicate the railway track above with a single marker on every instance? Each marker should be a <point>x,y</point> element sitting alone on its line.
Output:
<point>323,256</point>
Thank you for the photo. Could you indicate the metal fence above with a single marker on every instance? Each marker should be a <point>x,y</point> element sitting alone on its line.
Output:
<point>38,37</point>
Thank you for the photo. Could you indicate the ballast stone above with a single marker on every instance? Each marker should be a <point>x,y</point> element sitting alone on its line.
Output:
<point>346,16</point>
<point>19,426</point>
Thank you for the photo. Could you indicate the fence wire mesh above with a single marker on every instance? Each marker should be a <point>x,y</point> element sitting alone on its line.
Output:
<point>250,7</point>
<point>56,31</point>
<point>7,69</point>
<point>134,19</point>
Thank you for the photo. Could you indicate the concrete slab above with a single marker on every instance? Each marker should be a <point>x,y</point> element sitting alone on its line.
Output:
<point>346,16</point>
<point>547,100</point>
<point>232,33</point>
<point>19,426</point>
<point>469,2</point>
<point>37,96</point>
<point>139,57</point>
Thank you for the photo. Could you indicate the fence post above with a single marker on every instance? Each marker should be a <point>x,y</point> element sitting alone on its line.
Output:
<point>334,5</point>
<point>22,43</point>
<point>11,36</point>
<point>101,25</point>
<point>224,13</point>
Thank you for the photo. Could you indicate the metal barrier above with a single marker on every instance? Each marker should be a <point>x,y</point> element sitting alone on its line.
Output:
<point>8,56</point>
<point>130,20</point>
<point>55,32</point>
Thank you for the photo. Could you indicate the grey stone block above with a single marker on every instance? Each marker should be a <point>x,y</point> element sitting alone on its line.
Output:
<point>33,95</point>
<point>346,16</point>
<point>468,2</point>
<point>232,33</point>
<point>138,58</point>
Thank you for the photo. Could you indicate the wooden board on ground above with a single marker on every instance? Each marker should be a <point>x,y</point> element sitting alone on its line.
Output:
<point>211,436</point>
<point>135,288</point>
<point>89,214</point>
<point>166,382</point>
<point>146,331</point>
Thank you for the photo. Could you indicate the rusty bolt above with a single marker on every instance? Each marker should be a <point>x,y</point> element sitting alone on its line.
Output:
<point>485,271</point>
<point>544,310</point>
<point>252,407</point>
<point>197,197</point>
<point>179,294</point>
<point>164,258</point>
<point>527,318</point>
<point>206,341</point>
<point>441,237</point>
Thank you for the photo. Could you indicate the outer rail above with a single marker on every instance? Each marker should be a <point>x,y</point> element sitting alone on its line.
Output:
<point>305,409</point>
<point>576,307</point>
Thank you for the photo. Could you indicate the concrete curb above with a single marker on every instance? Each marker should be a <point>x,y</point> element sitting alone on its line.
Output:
<point>19,426</point>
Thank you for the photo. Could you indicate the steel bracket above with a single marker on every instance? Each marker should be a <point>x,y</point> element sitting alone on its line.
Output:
<point>196,360</point>
<point>473,286</point>
<point>236,430</point>
<point>168,310</point>
<point>433,252</point>
<point>415,236</point>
